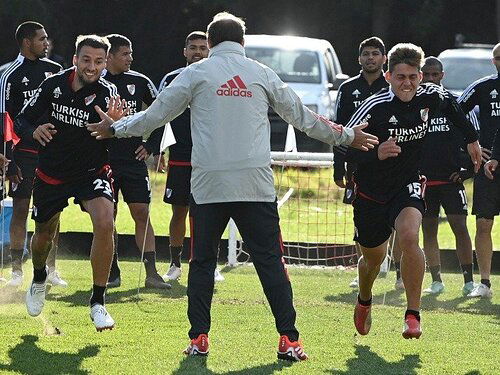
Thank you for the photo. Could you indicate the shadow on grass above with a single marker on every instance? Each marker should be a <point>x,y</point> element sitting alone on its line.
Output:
<point>478,306</point>
<point>198,365</point>
<point>368,362</point>
<point>28,358</point>
<point>116,295</point>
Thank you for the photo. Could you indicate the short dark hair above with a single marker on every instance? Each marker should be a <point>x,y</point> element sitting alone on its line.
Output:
<point>433,61</point>
<point>91,40</point>
<point>374,42</point>
<point>27,30</point>
<point>116,41</point>
<point>195,35</point>
<point>405,53</point>
<point>225,27</point>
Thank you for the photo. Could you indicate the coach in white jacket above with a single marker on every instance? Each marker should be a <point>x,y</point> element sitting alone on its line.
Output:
<point>229,96</point>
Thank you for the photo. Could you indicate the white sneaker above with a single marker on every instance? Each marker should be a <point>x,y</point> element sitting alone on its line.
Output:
<point>481,290</point>
<point>35,298</point>
<point>173,273</point>
<point>101,318</point>
<point>399,285</point>
<point>16,280</point>
<point>218,276</point>
<point>55,280</point>
<point>355,283</point>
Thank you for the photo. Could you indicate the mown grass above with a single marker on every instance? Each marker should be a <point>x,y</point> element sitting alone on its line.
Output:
<point>460,335</point>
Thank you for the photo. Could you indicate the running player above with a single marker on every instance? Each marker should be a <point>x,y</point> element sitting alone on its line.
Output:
<point>372,57</point>
<point>231,174</point>
<point>445,175</point>
<point>486,196</point>
<point>127,155</point>
<point>17,85</point>
<point>72,164</point>
<point>389,190</point>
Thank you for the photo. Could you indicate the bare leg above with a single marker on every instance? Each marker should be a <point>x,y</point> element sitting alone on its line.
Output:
<point>369,267</point>
<point>101,253</point>
<point>413,260</point>
<point>484,246</point>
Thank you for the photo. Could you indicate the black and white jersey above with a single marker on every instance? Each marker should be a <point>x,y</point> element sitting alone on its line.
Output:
<point>136,89</point>
<point>18,84</point>
<point>72,152</point>
<point>484,93</point>
<point>448,140</point>
<point>181,126</point>
<point>407,122</point>
<point>350,96</point>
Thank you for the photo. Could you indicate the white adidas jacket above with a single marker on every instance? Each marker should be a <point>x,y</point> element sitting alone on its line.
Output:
<point>229,96</point>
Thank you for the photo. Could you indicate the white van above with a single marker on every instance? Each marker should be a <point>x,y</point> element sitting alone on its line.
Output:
<point>311,68</point>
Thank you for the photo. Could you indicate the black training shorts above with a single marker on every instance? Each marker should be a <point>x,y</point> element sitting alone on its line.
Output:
<point>50,196</point>
<point>27,163</point>
<point>178,187</point>
<point>451,196</point>
<point>374,220</point>
<point>486,196</point>
<point>134,188</point>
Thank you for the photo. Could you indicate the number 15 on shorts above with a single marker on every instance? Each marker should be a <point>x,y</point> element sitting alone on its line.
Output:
<point>415,190</point>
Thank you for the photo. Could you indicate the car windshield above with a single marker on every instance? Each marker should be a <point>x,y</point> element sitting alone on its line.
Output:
<point>290,65</point>
<point>461,72</point>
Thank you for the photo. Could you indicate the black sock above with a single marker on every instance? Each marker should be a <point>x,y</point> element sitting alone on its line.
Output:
<point>17,259</point>
<point>436,273</point>
<point>364,303</point>
<point>467,272</point>
<point>397,265</point>
<point>39,275</point>
<point>486,282</point>
<point>413,312</point>
<point>97,295</point>
<point>150,263</point>
<point>175,255</point>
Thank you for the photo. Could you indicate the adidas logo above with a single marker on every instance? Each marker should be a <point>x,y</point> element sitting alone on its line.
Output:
<point>57,92</point>
<point>393,120</point>
<point>234,87</point>
<point>25,81</point>
<point>494,94</point>
<point>356,93</point>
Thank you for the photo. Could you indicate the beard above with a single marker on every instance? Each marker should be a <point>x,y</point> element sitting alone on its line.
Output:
<point>84,81</point>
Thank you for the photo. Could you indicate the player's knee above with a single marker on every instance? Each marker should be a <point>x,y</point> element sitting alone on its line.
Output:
<point>484,226</point>
<point>407,237</point>
<point>103,223</point>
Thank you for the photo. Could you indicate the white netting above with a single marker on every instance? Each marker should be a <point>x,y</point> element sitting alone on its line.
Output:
<point>317,228</point>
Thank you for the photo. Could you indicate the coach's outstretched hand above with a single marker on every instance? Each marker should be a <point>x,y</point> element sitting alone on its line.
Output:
<point>490,167</point>
<point>363,141</point>
<point>474,150</point>
<point>116,110</point>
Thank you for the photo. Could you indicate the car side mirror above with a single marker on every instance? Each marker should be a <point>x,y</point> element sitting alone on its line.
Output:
<point>339,79</point>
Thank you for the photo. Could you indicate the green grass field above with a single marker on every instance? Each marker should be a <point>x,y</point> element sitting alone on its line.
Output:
<point>460,335</point>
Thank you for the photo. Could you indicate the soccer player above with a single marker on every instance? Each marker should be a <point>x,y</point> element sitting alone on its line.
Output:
<point>178,183</point>
<point>444,187</point>
<point>372,57</point>
<point>389,189</point>
<point>17,85</point>
<point>229,96</point>
<point>72,164</point>
<point>486,196</point>
<point>127,155</point>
